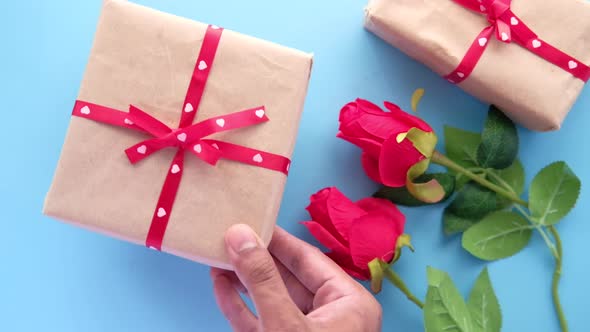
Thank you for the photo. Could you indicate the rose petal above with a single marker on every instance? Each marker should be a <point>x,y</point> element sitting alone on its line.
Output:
<point>364,119</point>
<point>334,211</point>
<point>370,108</point>
<point>346,263</point>
<point>318,211</point>
<point>324,237</point>
<point>371,167</point>
<point>371,204</point>
<point>395,161</point>
<point>349,113</point>
<point>382,127</point>
<point>369,146</point>
<point>373,235</point>
<point>407,118</point>
<point>355,129</point>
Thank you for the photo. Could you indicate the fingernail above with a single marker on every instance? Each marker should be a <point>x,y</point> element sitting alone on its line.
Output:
<point>240,238</point>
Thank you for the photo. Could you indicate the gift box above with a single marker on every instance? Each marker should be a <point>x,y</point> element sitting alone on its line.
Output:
<point>180,130</point>
<point>527,57</point>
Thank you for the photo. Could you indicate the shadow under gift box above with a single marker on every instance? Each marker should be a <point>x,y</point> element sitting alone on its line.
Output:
<point>529,89</point>
<point>146,58</point>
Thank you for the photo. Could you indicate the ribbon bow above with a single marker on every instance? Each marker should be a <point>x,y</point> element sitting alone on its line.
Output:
<point>188,137</point>
<point>496,11</point>
<point>508,27</point>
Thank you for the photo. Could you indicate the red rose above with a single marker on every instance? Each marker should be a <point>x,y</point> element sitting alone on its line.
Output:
<point>388,154</point>
<point>356,233</point>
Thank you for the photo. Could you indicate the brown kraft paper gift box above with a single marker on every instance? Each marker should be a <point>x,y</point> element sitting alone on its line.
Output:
<point>146,58</point>
<point>529,89</point>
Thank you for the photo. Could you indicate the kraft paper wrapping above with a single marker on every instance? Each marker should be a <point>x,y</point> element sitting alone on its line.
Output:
<point>527,88</point>
<point>146,58</point>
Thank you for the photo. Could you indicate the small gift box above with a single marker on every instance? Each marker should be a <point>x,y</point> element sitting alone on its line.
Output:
<point>527,57</point>
<point>180,130</point>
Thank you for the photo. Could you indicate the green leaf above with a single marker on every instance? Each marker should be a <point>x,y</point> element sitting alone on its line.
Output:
<point>474,202</point>
<point>453,224</point>
<point>499,235</point>
<point>499,141</point>
<point>483,305</point>
<point>445,309</point>
<point>461,146</point>
<point>553,193</point>
<point>512,176</point>
<point>402,196</point>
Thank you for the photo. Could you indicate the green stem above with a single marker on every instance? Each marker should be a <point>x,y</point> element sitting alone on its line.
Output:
<point>547,240</point>
<point>439,158</point>
<point>500,181</point>
<point>399,283</point>
<point>540,229</point>
<point>556,278</point>
<point>508,192</point>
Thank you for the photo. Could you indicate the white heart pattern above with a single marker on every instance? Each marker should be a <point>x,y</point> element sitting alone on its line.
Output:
<point>161,213</point>
<point>128,122</point>
<point>214,27</point>
<point>220,122</point>
<point>513,21</point>
<point>202,65</point>
<point>188,108</point>
<point>175,169</point>
<point>198,148</point>
<point>451,81</point>
<point>85,110</point>
<point>181,137</point>
<point>258,158</point>
<point>215,146</point>
<point>259,113</point>
<point>460,74</point>
<point>482,8</point>
<point>288,166</point>
<point>572,64</point>
<point>536,43</point>
<point>504,36</point>
<point>153,248</point>
<point>142,149</point>
<point>482,41</point>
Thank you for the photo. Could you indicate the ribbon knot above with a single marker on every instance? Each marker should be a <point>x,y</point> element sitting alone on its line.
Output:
<point>188,138</point>
<point>508,27</point>
<point>496,10</point>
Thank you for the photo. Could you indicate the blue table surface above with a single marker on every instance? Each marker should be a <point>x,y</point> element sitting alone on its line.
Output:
<point>56,277</point>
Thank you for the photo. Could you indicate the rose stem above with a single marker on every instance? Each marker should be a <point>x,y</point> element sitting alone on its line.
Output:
<point>556,278</point>
<point>399,283</point>
<point>439,158</point>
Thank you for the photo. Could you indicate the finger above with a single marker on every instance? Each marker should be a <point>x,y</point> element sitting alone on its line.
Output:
<point>302,297</point>
<point>256,269</point>
<point>232,306</point>
<point>307,263</point>
<point>231,275</point>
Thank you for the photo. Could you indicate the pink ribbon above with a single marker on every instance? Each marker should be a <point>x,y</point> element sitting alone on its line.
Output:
<point>508,28</point>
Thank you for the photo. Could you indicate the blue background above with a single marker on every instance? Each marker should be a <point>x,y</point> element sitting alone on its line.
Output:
<point>56,277</point>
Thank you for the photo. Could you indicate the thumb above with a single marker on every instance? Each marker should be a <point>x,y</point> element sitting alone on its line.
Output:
<point>256,269</point>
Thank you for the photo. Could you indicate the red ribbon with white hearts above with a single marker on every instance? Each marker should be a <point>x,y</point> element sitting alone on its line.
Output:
<point>188,137</point>
<point>509,28</point>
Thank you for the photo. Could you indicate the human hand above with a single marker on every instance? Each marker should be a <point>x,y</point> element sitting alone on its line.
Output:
<point>293,285</point>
